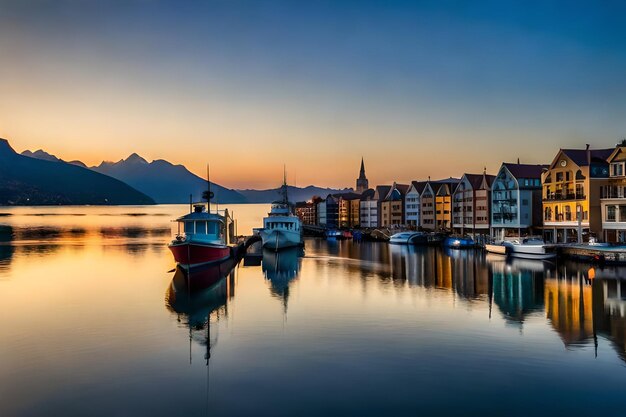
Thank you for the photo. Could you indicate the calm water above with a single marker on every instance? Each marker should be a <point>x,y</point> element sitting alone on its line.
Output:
<point>94,323</point>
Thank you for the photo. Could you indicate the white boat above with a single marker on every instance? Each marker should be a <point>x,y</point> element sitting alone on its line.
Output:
<point>281,227</point>
<point>529,248</point>
<point>497,248</point>
<point>408,238</point>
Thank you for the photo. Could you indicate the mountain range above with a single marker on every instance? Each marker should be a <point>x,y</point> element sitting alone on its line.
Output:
<point>33,181</point>
<point>167,183</point>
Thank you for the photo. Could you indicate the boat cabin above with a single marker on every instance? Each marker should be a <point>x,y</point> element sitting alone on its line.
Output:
<point>201,225</point>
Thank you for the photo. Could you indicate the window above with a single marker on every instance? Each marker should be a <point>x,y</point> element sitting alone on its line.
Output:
<point>201,227</point>
<point>559,176</point>
<point>610,213</point>
<point>189,228</point>
<point>617,169</point>
<point>524,202</point>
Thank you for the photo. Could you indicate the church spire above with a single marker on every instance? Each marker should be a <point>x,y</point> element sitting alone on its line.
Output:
<point>361,183</point>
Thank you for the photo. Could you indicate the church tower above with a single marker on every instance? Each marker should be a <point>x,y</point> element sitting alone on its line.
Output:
<point>361,183</point>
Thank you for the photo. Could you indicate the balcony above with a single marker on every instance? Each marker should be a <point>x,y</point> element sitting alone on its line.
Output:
<point>564,197</point>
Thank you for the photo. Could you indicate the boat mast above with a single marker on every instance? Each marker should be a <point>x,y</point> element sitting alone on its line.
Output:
<point>208,180</point>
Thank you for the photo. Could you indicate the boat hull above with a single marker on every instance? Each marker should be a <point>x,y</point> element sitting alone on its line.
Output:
<point>280,239</point>
<point>193,254</point>
<point>408,239</point>
<point>530,252</point>
<point>497,249</point>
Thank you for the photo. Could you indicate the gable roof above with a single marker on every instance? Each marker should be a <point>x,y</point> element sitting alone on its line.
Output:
<point>476,180</point>
<point>525,170</point>
<point>579,156</point>
<point>419,186</point>
<point>401,188</point>
<point>368,194</point>
<point>617,155</point>
<point>381,191</point>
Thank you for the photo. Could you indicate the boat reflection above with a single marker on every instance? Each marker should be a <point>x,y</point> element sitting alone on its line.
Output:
<point>281,268</point>
<point>194,305</point>
<point>6,247</point>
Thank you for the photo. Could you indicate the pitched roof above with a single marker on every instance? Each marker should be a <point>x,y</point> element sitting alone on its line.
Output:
<point>476,180</point>
<point>579,156</point>
<point>382,191</point>
<point>525,170</point>
<point>368,194</point>
<point>401,188</point>
<point>419,185</point>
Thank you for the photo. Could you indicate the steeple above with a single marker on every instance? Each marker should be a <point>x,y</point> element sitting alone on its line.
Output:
<point>362,183</point>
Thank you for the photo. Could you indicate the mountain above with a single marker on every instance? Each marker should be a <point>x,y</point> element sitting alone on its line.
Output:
<point>294,194</point>
<point>41,154</point>
<point>40,180</point>
<point>164,181</point>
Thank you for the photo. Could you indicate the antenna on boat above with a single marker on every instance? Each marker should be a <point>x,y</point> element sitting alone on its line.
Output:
<point>208,197</point>
<point>285,198</point>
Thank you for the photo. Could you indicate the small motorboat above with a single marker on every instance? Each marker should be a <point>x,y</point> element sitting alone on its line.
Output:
<point>334,234</point>
<point>408,238</point>
<point>496,248</point>
<point>458,242</point>
<point>529,248</point>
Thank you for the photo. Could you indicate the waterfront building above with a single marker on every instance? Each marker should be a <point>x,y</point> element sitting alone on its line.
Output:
<point>392,206</point>
<point>349,209</point>
<point>571,194</point>
<point>471,204</point>
<point>443,203</point>
<point>368,207</point>
<point>332,212</point>
<point>516,200</point>
<point>379,195</point>
<point>307,210</point>
<point>613,198</point>
<point>427,207</point>
<point>321,213</point>
<point>362,183</point>
<point>412,203</point>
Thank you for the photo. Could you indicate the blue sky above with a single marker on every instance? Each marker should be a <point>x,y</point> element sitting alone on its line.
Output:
<point>418,88</point>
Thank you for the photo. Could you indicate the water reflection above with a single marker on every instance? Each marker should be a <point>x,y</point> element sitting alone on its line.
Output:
<point>518,287</point>
<point>195,297</point>
<point>281,268</point>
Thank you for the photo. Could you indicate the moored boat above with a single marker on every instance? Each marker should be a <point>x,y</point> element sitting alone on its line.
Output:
<point>458,242</point>
<point>496,248</point>
<point>408,238</point>
<point>529,248</point>
<point>281,228</point>
<point>203,238</point>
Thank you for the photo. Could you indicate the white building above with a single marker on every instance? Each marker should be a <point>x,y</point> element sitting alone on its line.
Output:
<point>368,209</point>
<point>412,204</point>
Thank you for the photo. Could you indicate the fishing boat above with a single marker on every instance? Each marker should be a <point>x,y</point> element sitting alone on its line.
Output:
<point>408,238</point>
<point>281,227</point>
<point>529,248</point>
<point>458,242</point>
<point>203,237</point>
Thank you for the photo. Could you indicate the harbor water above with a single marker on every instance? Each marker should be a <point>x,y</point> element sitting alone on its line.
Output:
<point>94,322</point>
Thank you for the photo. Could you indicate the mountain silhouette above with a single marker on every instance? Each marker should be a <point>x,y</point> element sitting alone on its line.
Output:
<point>164,181</point>
<point>294,194</point>
<point>42,180</point>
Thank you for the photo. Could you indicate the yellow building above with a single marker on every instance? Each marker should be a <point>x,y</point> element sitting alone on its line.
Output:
<point>571,194</point>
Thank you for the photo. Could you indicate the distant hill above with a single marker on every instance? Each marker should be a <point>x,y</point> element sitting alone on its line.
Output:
<point>164,181</point>
<point>168,183</point>
<point>40,180</point>
<point>294,193</point>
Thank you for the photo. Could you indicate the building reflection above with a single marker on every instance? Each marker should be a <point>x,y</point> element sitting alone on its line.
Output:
<point>281,269</point>
<point>584,302</point>
<point>518,287</point>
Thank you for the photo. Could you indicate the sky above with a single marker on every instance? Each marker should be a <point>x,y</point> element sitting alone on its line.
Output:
<point>416,88</point>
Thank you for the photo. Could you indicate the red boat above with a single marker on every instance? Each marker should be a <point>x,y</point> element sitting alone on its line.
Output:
<point>204,239</point>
